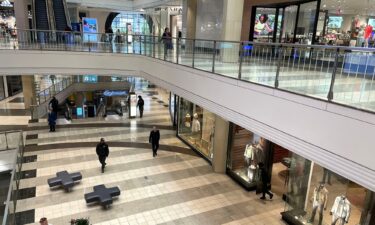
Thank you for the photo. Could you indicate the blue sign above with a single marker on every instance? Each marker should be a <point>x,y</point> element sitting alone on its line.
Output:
<point>79,111</point>
<point>90,78</point>
<point>76,27</point>
<point>114,93</point>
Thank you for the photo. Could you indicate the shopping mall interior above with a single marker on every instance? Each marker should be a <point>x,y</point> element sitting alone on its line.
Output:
<point>140,112</point>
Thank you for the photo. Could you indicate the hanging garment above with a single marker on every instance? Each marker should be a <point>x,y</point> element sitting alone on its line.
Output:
<point>196,126</point>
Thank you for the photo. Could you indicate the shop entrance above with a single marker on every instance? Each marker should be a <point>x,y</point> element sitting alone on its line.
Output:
<point>285,23</point>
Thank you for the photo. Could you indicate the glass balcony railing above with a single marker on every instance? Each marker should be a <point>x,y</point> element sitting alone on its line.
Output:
<point>336,74</point>
<point>14,141</point>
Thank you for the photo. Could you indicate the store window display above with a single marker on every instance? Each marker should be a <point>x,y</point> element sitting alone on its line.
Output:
<point>196,127</point>
<point>328,199</point>
<point>246,151</point>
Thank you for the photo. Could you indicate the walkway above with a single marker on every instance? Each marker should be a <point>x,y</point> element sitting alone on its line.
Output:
<point>176,187</point>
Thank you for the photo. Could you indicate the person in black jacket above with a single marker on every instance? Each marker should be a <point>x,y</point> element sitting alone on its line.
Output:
<point>265,181</point>
<point>54,104</point>
<point>140,105</point>
<point>154,140</point>
<point>102,151</point>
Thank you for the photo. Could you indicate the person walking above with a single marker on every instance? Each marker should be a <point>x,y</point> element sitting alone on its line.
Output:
<point>167,40</point>
<point>102,151</point>
<point>265,181</point>
<point>140,105</point>
<point>52,121</point>
<point>44,221</point>
<point>154,140</point>
<point>54,104</point>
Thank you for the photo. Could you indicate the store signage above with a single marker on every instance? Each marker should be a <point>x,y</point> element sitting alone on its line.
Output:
<point>6,3</point>
<point>90,29</point>
<point>133,105</point>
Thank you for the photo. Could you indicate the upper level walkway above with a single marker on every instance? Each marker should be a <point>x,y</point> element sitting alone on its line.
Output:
<point>304,98</point>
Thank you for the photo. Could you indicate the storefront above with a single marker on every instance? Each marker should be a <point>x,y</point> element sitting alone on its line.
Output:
<point>326,22</point>
<point>313,195</point>
<point>196,127</point>
<point>173,102</point>
<point>318,196</point>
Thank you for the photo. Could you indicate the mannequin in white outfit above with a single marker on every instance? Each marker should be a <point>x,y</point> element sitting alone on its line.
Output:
<point>340,210</point>
<point>196,125</point>
<point>319,199</point>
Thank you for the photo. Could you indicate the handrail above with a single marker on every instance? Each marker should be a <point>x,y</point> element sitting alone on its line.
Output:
<point>319,70</point>
<point>16,167</point>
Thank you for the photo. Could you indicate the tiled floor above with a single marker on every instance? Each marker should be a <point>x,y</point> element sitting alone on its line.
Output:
<point>173,188</point>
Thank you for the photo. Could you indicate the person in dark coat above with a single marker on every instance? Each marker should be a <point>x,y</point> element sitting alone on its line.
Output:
<point>54,104</point>
<point>154,140</point>
<point>140,105</point>
<point>102,151</point>
<point>265,181</point>
<point>52,121</point>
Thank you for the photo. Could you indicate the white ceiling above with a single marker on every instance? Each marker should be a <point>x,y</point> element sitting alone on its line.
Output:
<point>360,7</point>
<point>125,5</point>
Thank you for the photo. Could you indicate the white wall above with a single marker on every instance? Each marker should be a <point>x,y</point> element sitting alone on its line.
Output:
<point>335,137</point>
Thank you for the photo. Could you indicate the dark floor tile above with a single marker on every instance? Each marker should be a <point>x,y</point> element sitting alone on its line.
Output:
<point>28,159</point>
<point>17,100</point>
<point>27,174</point>
<point>31,136</point>
<point>25,217</point>
<point>26,193</point>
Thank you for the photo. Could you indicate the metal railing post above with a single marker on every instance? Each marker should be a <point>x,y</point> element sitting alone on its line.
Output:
<point>193,61</point>
<point>333,78</point>
<point>153,46</point>
<point>213,57</point>
<point>178,50</point>
<point>133,44</point>
<point>241,61</point>
<point>140,44</point>
<point>280,50</point>
<point>145,44</point>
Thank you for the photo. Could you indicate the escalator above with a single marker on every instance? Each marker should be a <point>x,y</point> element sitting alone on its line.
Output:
<point>41,15</point>
<point>60,16</point>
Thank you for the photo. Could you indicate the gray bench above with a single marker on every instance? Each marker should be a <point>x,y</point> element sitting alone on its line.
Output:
<point>102,195</point>
<point>65,179</point>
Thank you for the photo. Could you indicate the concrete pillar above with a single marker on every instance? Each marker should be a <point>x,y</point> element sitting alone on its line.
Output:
<point>219,160</point>
<point>21,13</point>
<point>189,17</point>
<point>164,19</point>
<point>28,88</point>
<point>5,82</point>
<point>73,13</point>
<point>232,25</point>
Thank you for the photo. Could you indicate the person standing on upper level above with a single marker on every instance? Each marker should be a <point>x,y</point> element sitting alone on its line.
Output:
<point>167,40</point>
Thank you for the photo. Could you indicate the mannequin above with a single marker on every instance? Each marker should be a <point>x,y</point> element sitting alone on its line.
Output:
<point>196,125</point>
<point>340,210</point>
<point>253,155</point>
<point>319,199</point>
<point>187,120</point>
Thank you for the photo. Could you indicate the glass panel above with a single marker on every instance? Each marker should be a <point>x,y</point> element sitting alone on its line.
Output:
<point>279,25</point>
<point>290,16</point>
<point>197,127</point>
<point>203,57</point>
<point>322,27</point>
<point>186,52</point>
<point>306,22</point>
<point>329,200</point>
<point>307,70</point>
<point>264,24</point>
<point>247,151</point>
<point>259,64</point>
<point>227,58</point>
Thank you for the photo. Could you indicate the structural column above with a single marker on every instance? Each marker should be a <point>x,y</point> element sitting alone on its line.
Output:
<point>219,160</point>
<point>189,17</point>
<point>22,20</point>
<point>28,88</point>
<point>232,25</point>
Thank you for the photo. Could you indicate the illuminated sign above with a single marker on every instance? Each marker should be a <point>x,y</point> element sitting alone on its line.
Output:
<point>90,29</point>
<point>6,3</point>
<point>79,111</point>
<point>133,105</point>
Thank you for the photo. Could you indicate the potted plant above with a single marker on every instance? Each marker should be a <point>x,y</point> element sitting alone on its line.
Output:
<point>81,221</point>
